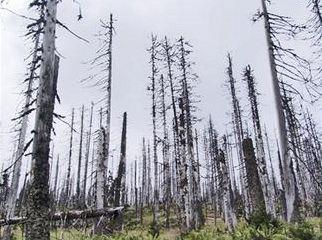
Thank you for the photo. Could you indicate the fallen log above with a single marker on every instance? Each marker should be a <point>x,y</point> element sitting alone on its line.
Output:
<point>69,215</point>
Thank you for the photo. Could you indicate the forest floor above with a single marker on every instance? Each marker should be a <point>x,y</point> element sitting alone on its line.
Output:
<point>260,229</point>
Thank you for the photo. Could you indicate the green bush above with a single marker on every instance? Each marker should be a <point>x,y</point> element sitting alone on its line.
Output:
<point>302,231</point>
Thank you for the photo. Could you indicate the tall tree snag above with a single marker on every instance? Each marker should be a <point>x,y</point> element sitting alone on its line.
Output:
<point>38,224</point>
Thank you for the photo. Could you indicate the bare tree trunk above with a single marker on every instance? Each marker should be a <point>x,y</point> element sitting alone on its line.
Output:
<point>285,159</point>
<point>183,174</point>
<point>153,51</point>
<point>145,178</point>
<point>88,144</point>
<point>149,187</point>
<point>37,223</point>
<point>13,190</point>
<point>228,206</point>
<point>121,175</point>
<point>198,163</point>
<point>273,178</point>
<point>213,154</point>
<point>166,157</point>
<point>239,133</point>
<point>180,172</point>
<point>196,212</point>
<point>135,191</point>
<point>109,88</point>
<point>101,170</point>
<point>257,202</point>
<point>67,193</point>
<point>55,194</point>
<point>78,184</point>
<point>261,161</point>
<point>210,185</point>
<point>91,199</point>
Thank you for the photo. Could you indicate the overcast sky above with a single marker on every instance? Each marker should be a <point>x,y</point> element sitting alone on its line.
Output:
<point>213,27</point>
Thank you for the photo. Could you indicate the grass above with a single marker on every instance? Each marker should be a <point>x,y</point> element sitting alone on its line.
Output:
<point>259,229</point>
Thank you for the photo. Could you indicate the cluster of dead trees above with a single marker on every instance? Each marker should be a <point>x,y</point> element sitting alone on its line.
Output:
<point>182,169</point>
<point>41,194</point>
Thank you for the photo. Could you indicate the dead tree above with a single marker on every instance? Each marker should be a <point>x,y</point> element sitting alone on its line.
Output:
<point>261,160</point>
<point>165,155</point>
<point>149,187</point>
<point>120,180</point>
<point>88,144</point>
<point>145,179</point>
<point>78,181</point>
<point>135,190</point>
<point>102,78</point>
<point>313,150</point>
<point>185,201</point>
<point>198,160</point>
<point>210,181</point>
<point>239,132</point>
<point>273,176</point>
<point>24,116</point>
<point>284,62</point>
<point>183,204</point>
<point>4,190</point>
<point>55,193</point>
<point>153,58</point>
<point>71,215</point>
<point>101,168</point>
<point>110,29</point>
<point>38,209</point>
<point>186,80</point>
<point>67,189</point>
<point>256,196</point>
<point>314,29</point>
<point>227,193</point>
<point>213,161</point>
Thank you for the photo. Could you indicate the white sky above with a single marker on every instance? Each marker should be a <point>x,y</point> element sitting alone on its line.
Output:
<point>214,28</point>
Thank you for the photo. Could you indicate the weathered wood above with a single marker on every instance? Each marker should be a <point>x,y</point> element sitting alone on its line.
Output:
<point>88,144</point>
<point>256,196</point>
<point>239,132</point>
<point>227,196</point>
<point>38,209</point>
<point>289,183</point>
<point>165,155</point>
<point>78,182</point>
<point>261,159</point>
<point>121,175</point>
<point>75,214</point>
<point>67,188</point>
<point>154,70</point>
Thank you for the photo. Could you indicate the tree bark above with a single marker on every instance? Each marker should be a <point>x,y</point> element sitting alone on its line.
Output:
<point>121,175</point>
<point>282,131</point>
<point>257,202</point>
<point>37,216</point>
<point>78,184</point>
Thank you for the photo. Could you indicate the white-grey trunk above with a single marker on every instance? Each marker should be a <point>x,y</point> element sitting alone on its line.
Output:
<point>78,184</point>
<point>109,88</point>
<point>38,212</point>
<point>101,169</point>
<point>13,191</point>
<point>120,181</point>
<point>239,133</point>
<point>229,211</point>
<point>285,159</point>
<point>166,156</point>
<point>68,192</point>
<point>88,144</point>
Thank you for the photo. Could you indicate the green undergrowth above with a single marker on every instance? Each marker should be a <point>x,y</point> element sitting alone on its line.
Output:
<point>256,228</point>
